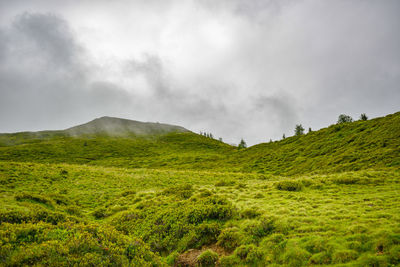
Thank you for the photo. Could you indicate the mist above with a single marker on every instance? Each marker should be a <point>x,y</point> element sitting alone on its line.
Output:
<point>237,69</point>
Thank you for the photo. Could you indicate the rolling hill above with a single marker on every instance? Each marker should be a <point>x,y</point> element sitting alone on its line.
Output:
<point>115,192</point>
<point>123,143</point>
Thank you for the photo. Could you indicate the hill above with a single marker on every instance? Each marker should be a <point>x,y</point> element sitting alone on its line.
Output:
<point>115,192</point>
<point>110,126</point>
<point>340,147</point>
<point>111,142</point>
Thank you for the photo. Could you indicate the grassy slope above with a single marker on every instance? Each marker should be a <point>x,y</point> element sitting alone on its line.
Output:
<point>343,208</point>
<point>351,146</point>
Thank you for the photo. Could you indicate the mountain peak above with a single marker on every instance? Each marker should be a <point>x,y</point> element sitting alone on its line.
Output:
<point>113,126</point>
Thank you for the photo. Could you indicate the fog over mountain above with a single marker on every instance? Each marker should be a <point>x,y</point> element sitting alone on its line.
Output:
<point>250,69</point>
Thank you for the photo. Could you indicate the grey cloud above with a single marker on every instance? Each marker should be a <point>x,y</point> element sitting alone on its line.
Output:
<point>250,69</point>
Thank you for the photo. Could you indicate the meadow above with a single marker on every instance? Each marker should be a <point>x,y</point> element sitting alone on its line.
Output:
<point>330,197</point>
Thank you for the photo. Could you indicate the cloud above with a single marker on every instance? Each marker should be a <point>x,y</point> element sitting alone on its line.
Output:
<point>250,69</point>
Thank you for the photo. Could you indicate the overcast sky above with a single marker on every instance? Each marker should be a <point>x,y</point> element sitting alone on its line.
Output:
<point>236,68</point>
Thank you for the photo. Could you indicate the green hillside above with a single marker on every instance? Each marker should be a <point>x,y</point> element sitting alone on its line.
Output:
<point>341,147</point>
<point>104,194</point>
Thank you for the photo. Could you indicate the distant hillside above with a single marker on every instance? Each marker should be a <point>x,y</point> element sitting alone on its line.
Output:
<point>122,127</point>
<point>340,147</point>
<point>115,142</point>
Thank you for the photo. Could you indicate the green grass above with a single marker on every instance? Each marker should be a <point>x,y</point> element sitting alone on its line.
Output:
<point>331,197</point>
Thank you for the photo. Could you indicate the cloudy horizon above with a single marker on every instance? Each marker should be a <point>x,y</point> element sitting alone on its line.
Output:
<point>239,69</point>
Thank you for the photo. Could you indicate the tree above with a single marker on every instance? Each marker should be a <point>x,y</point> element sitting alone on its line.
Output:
<point>242,144</point>
<point>363,117</point>
<point>309,129</point>
<point>283,136</point>
<point>343,118</point>
<point>299,130</point>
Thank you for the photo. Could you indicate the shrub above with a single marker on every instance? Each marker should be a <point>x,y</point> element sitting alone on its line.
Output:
<point>167,225</point>
<point>250,213</point>
<point>289,185</point>
<point>70,244</point>
<point>296,256</point>
<point>369,260</point>
<point>261,228</point>
<point>228,261</point>
<point>100,213</point>
<point>320,258</point>
<point>224,183</point>
<point>394,254</point>
<point>249,253</point>
<point>346,180</point>
<point>128,192</point>
<point>172,258</point>
<point>182,191</point>
<point>207,258</point>
<point>344,118</point>
<point>34,198</point>
<point>207,233</point>
<point>229,239</point>
<point>342,256</point>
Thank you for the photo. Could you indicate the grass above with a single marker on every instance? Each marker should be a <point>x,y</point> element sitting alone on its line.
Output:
<point>183,199</point>
<point>326,221</point>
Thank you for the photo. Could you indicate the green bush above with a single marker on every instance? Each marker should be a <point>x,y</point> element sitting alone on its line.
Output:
<point>249,253</point>
<point>172,258</point>
<point>296,256</point>
<point>34,198</point>
<point>343,256</point>
<point>207,258</point>
<point>166,223</point>
<point>346,180</point>
<point>182,191</point>
<point>100,213</point>
<point>224,183</point>
<point>229,239</point>
<point>37,244</point>
<point>228,261</point>
<point>289,185</point>
<point>250,213</point>
<point>369,260</point>
<point>320,258</point>
<point>394,254</point>
<point>207,233</point>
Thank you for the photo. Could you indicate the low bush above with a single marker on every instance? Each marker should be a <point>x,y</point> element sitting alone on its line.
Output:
<point>34,198</point>
<point>289,185</point>
<point>182,191</point>
<point>167,224</point>
<point>370,260</point>
<point>207,258</point>
<point>249,253</point>
<point>320,258</point>
<point>229,239</point>
<point>228,261</point>
<point>296,256</point>
<point>69,244</point>
<point>224,183</point>
<point>346,180</point>
<point>343,256</point>
<point>250,213</point>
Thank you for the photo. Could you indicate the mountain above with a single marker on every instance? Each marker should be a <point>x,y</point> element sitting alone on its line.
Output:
<point>116,142</point>
<point>122,127</point>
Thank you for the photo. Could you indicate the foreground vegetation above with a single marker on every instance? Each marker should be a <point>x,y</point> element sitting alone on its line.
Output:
<point>183,199</point>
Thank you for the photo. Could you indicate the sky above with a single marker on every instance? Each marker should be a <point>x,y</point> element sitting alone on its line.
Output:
<point>249,69</point>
